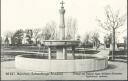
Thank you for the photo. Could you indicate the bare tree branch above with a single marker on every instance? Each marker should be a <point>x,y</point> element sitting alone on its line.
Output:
<point>71,28</point>
<point>112,22</point>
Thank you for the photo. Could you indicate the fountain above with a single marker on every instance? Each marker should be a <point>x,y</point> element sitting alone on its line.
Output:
<point>63,62</point>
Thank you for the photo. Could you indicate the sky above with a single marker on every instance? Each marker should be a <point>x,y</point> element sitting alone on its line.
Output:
<point>23,14</point>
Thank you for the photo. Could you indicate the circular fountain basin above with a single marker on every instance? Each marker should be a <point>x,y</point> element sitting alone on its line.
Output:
<point>61,43</point>
<point>89,63</point>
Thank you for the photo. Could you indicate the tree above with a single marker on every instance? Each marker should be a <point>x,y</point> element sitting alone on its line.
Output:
<point>49,32</point>
<point>86,39</point>
<point>17,37</point>
<point>6,42</point>
<point>29,34</point>
<point>36,34</point>
<point>108,40</point>
<point>9,35</point>
<point>71,28</point>
<point>112,23</point>
<point>95,39</point>
<point>125,43</point>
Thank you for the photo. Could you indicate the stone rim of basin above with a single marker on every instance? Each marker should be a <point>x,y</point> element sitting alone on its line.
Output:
<point>85,57</point>
<point>61,42</point>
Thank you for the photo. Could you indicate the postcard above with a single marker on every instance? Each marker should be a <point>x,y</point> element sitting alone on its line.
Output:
<point>64,40</point>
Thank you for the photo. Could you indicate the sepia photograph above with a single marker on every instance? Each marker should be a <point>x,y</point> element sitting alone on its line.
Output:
<point>64,40</point>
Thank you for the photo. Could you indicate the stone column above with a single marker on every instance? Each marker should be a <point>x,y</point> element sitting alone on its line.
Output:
<point>64,53</point>
<point>62,23</point>
<point>49,53</point>
<point>73,52</point>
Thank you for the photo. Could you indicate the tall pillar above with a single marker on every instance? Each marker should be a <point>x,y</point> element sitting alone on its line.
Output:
<point>61,51</point>
<point>62,22</point>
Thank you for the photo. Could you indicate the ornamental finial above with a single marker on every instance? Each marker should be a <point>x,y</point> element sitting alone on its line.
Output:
<point>62,3</point>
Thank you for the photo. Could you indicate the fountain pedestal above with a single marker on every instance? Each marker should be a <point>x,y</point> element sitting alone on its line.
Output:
<point>61,53</point>
<point>61,48</point>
